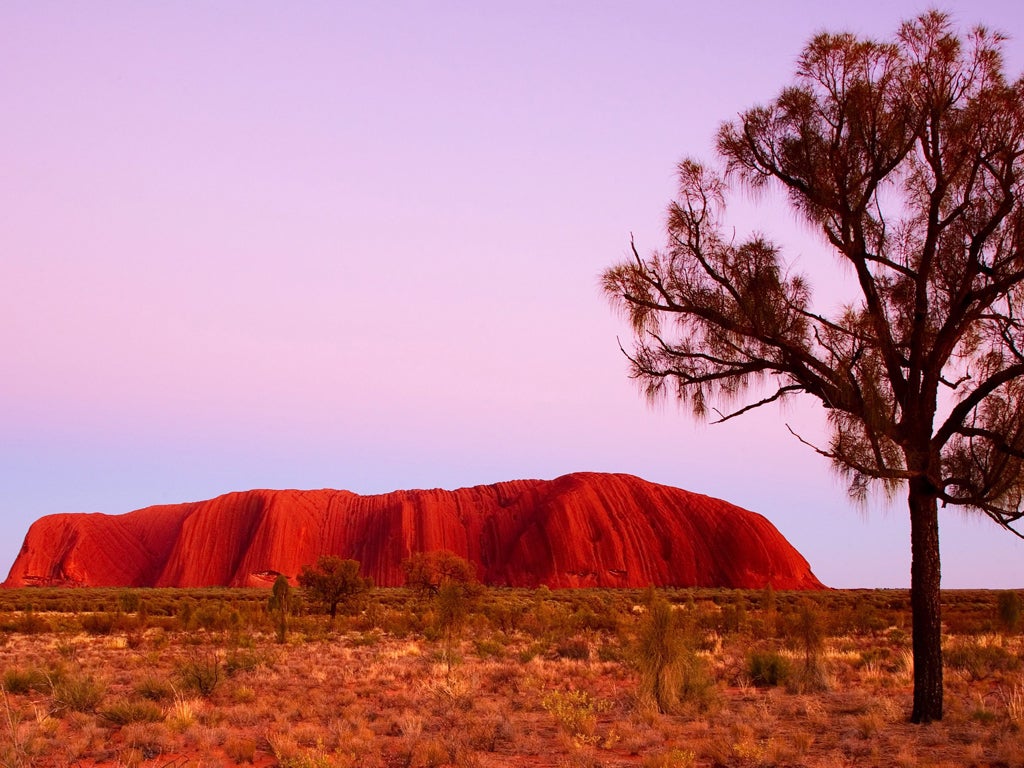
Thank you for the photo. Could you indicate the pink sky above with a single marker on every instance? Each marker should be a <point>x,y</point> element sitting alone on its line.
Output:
<point>334,245</point>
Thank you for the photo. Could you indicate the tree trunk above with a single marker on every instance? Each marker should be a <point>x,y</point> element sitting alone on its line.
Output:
<point>925,601</point>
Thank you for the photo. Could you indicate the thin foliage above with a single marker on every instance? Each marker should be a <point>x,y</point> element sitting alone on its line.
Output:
<point>907,156</point>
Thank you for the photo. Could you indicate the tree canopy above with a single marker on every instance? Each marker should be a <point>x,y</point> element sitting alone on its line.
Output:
<point>333,581</point>
<point>429,572</point>
<point>906,157</point>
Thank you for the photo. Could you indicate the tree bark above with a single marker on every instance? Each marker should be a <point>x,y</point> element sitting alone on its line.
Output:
<point>925,602</point>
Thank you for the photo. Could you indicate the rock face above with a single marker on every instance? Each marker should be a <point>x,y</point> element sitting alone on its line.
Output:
<point>580,530</point>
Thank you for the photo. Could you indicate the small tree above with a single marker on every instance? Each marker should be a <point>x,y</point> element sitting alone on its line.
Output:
<point>427,572</point>
<point>450,582</point>
<point>280,605</point>
<point>907,156</point>
<point>809,636</point>
<point>333,582</point>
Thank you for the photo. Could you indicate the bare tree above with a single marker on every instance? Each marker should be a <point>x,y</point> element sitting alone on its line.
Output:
<point>906,156</point>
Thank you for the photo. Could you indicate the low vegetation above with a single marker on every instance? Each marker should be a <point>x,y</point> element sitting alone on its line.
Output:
<point>463,675</point>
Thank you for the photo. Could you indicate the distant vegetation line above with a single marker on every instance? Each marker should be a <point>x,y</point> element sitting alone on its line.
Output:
<point>395,608</point>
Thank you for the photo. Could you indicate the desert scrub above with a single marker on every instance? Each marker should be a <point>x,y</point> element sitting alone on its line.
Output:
<point>200,671</point>
<point>22,681</point>
<point>77,693</point>
<point>767,668</point>
<point>977,660</point>
<point>670,669</point>
<point>154,689</point>
<point>182,713</point>
<point>672,758</point>
<point>575,648</point>
<point>238,660</point>
<point>132,711</point>
<point>240,749</point>
<point>806,633</point>
<point>576,712</point>
<point>98,623</point>
<point>1009,608</point>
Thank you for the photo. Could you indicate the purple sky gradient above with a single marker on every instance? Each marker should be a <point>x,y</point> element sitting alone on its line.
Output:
<point>335,245</point>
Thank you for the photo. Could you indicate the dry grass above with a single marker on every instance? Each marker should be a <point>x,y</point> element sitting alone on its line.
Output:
<point>377,691</point>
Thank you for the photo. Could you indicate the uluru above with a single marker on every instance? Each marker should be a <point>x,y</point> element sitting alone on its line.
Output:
<point>579,530</point>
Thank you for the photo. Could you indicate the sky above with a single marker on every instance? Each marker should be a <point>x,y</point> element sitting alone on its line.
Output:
<point>357,245</point>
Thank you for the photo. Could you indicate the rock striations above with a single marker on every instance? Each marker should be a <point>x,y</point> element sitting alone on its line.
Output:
<point>580,530</point>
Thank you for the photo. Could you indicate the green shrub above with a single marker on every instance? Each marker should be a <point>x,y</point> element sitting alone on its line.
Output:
<point>531,652</point>
<point>977,661</point>
<point>806,632</point>
<point>128,601</point>
<point>241,661</point>
<point>611,652</point>
<point>767,668</point>
<point>575,711</point>
<point>280,606</point>
<point>1009,610</point>
<point>31,623</point>
<point>670,669</point>
<point>97,623</point>
<point>24,680</point>
<point>154,689</point>
<point>576,649</point>
<point>673,758</point>
<point>733,617</point>
<point>489,649</point>
<point>80,693</point>
<point>200,671</point>
<point>659,654</point>
<point>132,711</point>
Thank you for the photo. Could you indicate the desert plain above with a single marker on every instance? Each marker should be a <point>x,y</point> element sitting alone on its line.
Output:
<point>181,678</point>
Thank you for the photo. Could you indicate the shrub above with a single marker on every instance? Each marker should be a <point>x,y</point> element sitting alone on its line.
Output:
<point>807,633</point>
<point>31,623</point>
<point>532,651</point>
<point>241,661</point>
<point>97,623</point>
<point>128,601</point>
<point>767,668</point>
<point>240,749</point>
<point>674,758</point>
<point>186,613</point>
<point>575,711</point>
<point>733,617</point>
<point>489,649</point>
<point>977,661</point>
<point>200,672</point>
<point>81,693</point>
<point>132,711</point>
<point>154,689</point>
<point>24,680</point>
<point>212,617</point>
<point>670,669</point>
<point>575,648</point>
<point>1009,610</point>
<point>280,605</point>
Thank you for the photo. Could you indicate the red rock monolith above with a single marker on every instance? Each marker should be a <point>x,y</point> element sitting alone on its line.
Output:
<point>579,530</point>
